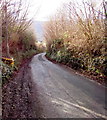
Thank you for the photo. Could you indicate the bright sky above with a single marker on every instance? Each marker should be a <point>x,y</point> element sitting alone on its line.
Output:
<point>45,8</point>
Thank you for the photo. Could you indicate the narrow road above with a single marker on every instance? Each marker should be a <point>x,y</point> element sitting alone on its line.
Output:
<point>63,94</point>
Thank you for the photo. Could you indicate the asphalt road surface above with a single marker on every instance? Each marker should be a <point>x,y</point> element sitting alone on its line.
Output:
<point>64,94</point>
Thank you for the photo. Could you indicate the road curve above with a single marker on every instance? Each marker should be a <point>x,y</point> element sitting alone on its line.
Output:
<point>63,94</point>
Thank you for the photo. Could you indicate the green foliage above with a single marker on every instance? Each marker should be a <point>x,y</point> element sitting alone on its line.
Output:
<point>28,53</point>
<point>22,47</point>
<point>6,72</point>
<point>78,40</point>
<point>17,35</point>
<point>27,40</point>
<point>77,59</point>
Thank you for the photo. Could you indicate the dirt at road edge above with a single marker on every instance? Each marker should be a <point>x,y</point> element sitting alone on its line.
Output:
<point>19,96</point>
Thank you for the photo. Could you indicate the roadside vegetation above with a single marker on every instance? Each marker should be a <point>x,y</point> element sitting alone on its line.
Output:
<point>76,36</point>
<point>18,40</point>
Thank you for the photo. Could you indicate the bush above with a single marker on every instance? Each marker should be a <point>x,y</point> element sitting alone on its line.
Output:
<point>76,39</point>
<point>7,71</point>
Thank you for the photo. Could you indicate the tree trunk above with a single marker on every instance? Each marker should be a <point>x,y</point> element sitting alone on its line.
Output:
<point>6,31</point>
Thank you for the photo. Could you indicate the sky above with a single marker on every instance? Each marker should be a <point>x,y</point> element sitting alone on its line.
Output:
<point>44,8</point>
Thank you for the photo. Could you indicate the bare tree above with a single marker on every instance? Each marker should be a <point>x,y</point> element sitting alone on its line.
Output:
<point>14,19</point>
<point>105,8</point>
<point>81,25</point>
<point>5,5</point>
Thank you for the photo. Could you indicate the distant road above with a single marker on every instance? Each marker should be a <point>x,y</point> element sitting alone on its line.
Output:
<point>63,94</point>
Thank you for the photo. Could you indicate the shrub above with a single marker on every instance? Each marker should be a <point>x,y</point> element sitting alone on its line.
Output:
<point>7,71</point>
<point>76,39</point>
